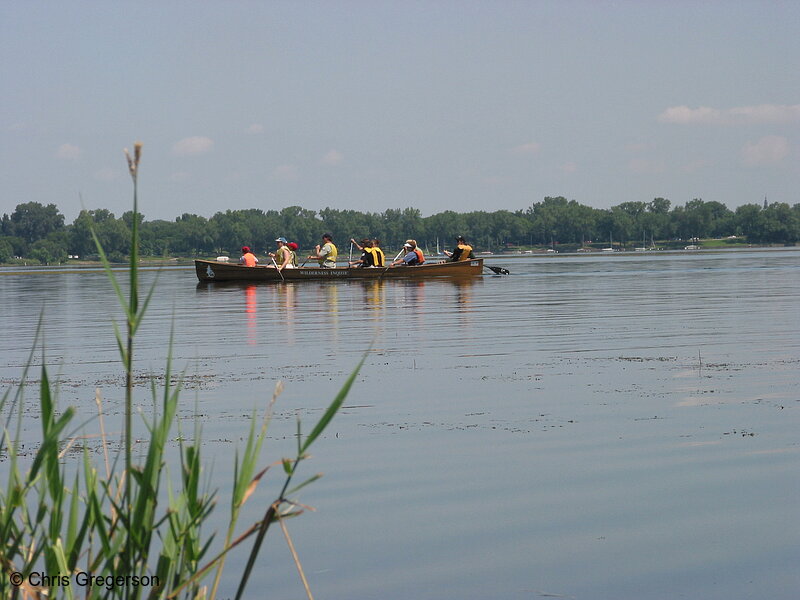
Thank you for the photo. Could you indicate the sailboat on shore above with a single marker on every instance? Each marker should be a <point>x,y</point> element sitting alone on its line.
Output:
<point>641,248</point>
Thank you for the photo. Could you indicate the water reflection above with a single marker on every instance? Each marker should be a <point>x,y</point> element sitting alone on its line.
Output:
<point>414,298</point>
<point>374,294</point>
<point>250,304</point>
<point>463,303</point>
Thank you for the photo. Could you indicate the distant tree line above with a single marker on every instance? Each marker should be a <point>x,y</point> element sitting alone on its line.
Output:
<point>39,232</point>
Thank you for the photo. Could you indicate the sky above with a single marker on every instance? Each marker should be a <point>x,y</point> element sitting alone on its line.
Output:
<point>371,105</point>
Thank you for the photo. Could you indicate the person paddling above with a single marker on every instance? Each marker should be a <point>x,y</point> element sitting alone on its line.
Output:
<point>368,254</point>
<point>462,251</point>
<point>327,253</point>
<point>412,257</point>
<point>282,257</point>
<point>380,259</point>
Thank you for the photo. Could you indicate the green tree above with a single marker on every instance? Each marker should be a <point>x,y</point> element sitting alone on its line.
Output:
<point>506,227</point>
<point>19,247</point>
<point>301,226</point>
<point>694,219</point>
<point>52,249</point>
<point>33,221</point>
<point>704,219</point>
<point>6,250</point>
<point>252,227</point>
<point>658,221</point>
<point>193,235</point>
<point>560,220</point>
<point>6,227</point>
<point>113,234</point>
<point>342,225</point>
<point>636,221</point>
<point>778,224</point>
<point>158,238</point>
<point>746,220</point>
<point>444,227</point>
<point>624,225</point>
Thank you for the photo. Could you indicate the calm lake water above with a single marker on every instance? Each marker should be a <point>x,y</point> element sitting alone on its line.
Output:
<point>589,427</point>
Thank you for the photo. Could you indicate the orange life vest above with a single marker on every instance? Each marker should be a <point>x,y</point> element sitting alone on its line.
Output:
<point>249,259</point>
<point>419,256</point>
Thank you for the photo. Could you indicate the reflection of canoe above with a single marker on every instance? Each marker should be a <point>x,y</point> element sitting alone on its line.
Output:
<point>212,270</point>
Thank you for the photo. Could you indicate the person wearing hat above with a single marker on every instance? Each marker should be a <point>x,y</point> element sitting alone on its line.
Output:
<point>293,247</point>
<point>463,251</point>
<point>327,253</point>
<point>282,257</point>
<point>413,255</point>
<point>369,256</point>
<point>248,258</point>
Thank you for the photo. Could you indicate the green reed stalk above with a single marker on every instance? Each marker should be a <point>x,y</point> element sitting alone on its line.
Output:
<point>133,309</point>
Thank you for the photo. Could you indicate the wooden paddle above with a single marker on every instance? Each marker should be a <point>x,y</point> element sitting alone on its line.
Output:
<point>277,269</point>
<point>390,264</point>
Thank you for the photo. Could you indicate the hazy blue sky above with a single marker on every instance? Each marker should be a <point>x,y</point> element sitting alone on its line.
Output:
<point>373,105</point>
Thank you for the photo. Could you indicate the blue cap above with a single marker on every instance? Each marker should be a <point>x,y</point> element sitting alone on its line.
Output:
<point>282,239</point>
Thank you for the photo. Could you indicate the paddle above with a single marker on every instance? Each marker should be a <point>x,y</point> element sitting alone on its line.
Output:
<point>277,269</point>
<point>390,264</point>
<point>497,270</point>
<point>308,258</point>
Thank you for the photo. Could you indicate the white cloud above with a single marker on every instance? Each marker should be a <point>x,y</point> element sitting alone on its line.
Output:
<point>739,115</point>
<point>192,145</point>
<point>769,150</point>
<point>285,173</point>
<point>528,148</point>
<point>332,158</point>
<point>68,152</point>
<point>683,115</point>
<point>255,129</point>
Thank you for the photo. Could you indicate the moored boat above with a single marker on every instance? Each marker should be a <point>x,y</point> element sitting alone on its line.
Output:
<point>213,270</point>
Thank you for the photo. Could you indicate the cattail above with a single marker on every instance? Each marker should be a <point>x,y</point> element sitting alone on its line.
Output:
<point>133,163</point>
<point>131,168</point>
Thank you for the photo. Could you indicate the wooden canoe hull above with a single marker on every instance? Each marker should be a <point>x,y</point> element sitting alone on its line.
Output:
<point>212,270</point>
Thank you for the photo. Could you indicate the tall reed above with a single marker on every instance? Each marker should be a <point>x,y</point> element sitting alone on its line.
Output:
<point>106,525</point>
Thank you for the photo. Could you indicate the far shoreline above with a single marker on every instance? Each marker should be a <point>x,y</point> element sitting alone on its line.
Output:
<point>539,252</point>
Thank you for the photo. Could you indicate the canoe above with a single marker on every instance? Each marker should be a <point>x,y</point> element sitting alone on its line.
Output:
<point>213,270</point>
